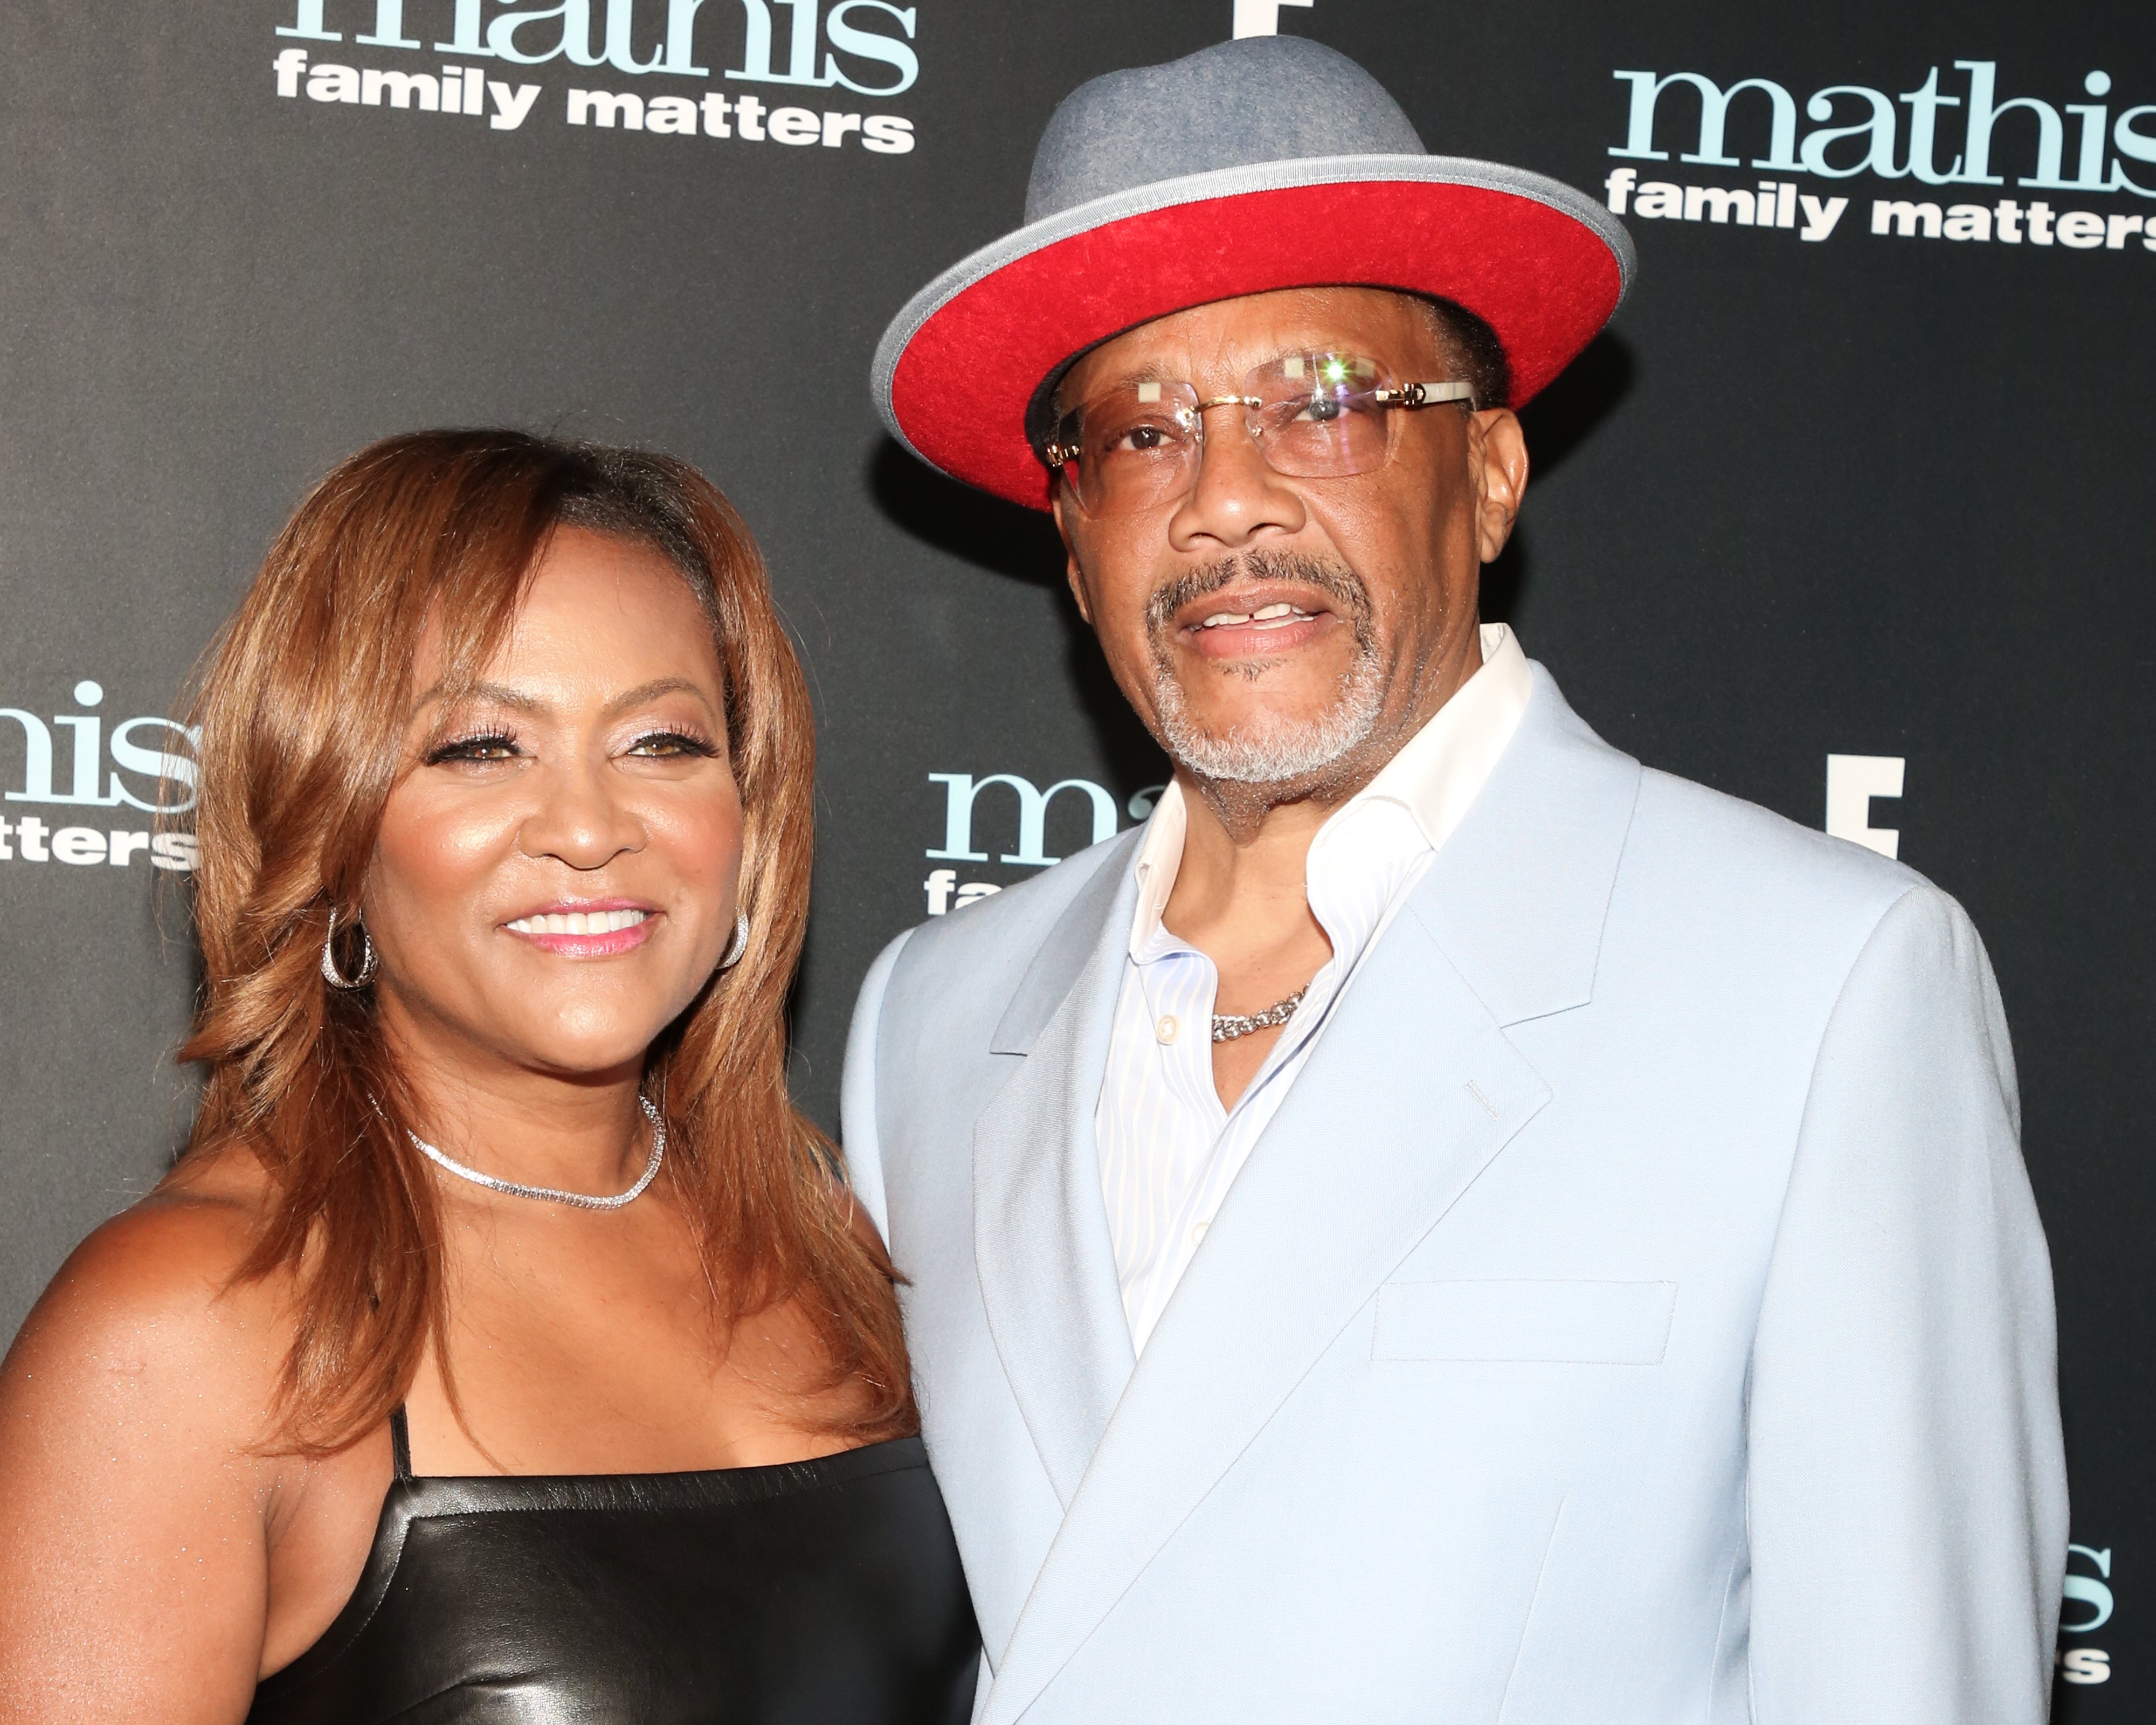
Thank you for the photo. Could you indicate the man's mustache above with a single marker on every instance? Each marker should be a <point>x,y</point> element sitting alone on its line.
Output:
<point>1336,581</point>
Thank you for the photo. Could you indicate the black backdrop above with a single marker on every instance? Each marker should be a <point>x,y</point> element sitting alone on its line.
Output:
<point>1874,493</point>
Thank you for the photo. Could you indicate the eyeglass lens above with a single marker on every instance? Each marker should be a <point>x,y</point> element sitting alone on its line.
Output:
<point>1311,415</point>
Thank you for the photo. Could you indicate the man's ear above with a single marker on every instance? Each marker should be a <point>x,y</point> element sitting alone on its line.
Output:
<point>1071,573</point>
<point>1498,454</point>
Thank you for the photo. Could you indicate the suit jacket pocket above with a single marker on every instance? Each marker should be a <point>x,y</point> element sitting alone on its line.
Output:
<point>1594,1323</point>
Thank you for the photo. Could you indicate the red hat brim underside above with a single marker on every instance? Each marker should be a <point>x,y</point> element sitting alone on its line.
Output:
<point>1545,280</point>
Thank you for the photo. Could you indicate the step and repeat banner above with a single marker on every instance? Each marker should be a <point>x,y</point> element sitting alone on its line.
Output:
<point>1849,512</point>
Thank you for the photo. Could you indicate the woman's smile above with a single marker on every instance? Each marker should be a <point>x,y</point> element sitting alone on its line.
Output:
<point>586,928</point>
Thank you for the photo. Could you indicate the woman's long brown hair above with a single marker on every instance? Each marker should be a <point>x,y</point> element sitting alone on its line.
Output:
<point>304,712</point>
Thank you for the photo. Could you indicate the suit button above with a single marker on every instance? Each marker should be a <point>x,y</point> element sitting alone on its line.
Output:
<point>1167,1028</point>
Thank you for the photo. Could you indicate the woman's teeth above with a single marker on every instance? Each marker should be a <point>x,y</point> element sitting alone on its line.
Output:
<point>1266,617</point>
<point>579,922</point>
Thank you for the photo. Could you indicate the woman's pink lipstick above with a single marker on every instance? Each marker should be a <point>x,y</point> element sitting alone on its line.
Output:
<point>587,928</point>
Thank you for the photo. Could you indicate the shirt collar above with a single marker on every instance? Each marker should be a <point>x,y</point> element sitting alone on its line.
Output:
<point>1160,856</point>
<point>1441,769</point>
<point>1436,777</point>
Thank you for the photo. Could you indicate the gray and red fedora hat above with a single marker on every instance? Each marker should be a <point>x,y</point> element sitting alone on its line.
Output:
<point>1270,163</point>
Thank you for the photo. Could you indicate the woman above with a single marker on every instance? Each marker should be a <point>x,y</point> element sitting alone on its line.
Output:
<point>501,1348</point>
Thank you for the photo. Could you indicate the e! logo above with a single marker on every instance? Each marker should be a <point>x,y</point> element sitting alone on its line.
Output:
<point>1261,18</point>
<point>1852,780</point>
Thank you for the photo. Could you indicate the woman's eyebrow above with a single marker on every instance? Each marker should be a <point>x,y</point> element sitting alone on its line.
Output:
<point>503,696</point>
<point>655,688</point>
<point>500,693</point>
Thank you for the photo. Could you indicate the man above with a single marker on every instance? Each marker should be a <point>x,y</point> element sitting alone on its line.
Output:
<point>1443,1223</point>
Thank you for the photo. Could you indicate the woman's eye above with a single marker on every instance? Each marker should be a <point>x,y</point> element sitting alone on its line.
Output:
<point>493,746</point>
<point>670,745</point>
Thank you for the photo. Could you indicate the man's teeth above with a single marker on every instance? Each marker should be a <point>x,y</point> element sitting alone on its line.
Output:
<point>579,922</point>
<point>1274,616</point>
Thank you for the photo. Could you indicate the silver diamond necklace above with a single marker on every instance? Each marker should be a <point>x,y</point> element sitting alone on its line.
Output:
<point>547,1194</point>
<point>1228,1026</point>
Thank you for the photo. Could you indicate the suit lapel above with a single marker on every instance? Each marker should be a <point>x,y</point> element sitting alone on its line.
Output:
<point>1518,895</point>
<point>1336,1191</point>
<point>1411,1091</point>
<point>1045,1261</point>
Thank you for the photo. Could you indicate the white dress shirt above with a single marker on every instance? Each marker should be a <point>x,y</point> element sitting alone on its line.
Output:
<point>1168,1150</point>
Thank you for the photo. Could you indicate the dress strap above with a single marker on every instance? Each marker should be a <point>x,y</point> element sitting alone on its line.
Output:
<point>400,1444</point>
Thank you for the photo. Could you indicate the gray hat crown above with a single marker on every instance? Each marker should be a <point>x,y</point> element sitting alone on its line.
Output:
<point>1236,103</point>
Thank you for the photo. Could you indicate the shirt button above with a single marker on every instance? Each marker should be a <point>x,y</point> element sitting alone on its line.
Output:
<point>1197,1233</point>
<point>1167,1028</point>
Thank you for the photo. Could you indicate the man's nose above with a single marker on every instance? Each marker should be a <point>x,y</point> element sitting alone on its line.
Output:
<point>582,818</point>
<point>1236,497</point>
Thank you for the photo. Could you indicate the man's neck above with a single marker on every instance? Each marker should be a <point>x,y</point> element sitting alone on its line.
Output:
<point>1232,827</point>
<point>1242,892</point>
<point>1244,854</point>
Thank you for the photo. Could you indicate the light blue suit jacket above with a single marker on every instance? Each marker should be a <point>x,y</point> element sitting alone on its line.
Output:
<point>1636,1312</point>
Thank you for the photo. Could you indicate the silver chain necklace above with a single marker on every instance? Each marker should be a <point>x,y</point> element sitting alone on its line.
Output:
<point>547,1194</point>
<point>1228,1026</point>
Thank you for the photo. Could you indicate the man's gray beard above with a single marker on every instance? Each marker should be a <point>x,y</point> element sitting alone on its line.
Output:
<point>1273,748</point>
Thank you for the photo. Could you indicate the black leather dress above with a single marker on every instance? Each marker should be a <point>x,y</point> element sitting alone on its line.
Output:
<point>817,1593</point>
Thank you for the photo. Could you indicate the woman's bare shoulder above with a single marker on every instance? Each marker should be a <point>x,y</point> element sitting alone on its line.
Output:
<point>151,1305</point>
<point>138,1493</point>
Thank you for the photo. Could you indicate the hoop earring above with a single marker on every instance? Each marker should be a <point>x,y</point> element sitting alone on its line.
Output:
<point>740,944</point>
<point>369,959</point>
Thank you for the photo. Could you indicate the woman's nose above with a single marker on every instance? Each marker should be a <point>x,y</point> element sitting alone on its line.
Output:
<point>582,818</point>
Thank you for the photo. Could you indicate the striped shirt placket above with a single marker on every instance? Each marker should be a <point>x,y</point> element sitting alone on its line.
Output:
<point>1169,1153</point>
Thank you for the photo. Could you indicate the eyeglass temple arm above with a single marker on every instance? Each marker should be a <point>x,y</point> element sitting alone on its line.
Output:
<point>1423,395</point>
